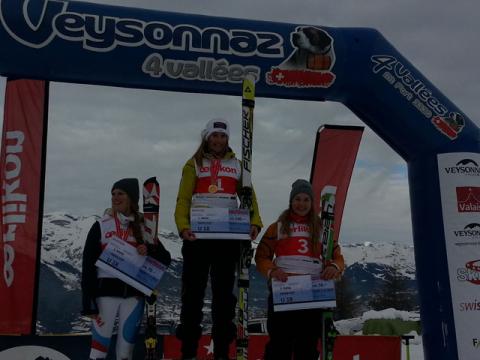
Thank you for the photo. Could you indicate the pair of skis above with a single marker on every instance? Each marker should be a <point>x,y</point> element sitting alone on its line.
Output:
<point>246,251</point>
<point>151,202</point>
<point>151,206</point>
<point>329,332</point>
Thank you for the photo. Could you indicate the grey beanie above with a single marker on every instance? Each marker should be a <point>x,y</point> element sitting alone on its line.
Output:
<point>301,186</point>
<point>130,186</point>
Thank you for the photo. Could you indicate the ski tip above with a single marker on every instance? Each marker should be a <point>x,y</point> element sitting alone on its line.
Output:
<point>152,179</point>
<point>248,90</point>
<point>329,189</point>
<point>250,77</point>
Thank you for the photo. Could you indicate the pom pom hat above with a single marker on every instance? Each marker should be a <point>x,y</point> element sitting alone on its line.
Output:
<point>130,186</point>
<point>301,186</point>
<point>216,125</point>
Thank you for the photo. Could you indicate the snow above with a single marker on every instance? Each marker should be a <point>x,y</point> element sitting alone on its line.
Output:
<point>390,314</point>
<point>354,327</point>
<point>64,237</point>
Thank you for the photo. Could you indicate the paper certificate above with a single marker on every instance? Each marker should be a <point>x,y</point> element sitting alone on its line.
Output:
<point>122,260</point>
<point>303,292</point>
<point>220,223</point>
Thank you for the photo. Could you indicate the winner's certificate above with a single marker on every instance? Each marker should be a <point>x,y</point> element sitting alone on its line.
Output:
<point>122,260</point>
<point>220,223</point>
<point>303,292</point>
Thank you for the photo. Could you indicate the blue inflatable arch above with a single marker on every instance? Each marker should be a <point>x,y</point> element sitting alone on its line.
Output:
<point>78,42</point>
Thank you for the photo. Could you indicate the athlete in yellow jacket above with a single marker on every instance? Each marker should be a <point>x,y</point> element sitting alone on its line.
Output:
<point>211,178</point>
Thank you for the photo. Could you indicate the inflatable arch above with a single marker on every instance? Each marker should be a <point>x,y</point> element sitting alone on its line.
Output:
<point>69,41</point>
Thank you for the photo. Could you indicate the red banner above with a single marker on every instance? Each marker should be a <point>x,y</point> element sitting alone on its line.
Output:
<point>367,348</point>
<point>346,348</point>
<point>171,348</point>
<point>336,149</point>
<point>22,185</point>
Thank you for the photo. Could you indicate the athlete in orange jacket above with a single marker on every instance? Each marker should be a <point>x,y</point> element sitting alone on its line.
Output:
<point>291,246</point>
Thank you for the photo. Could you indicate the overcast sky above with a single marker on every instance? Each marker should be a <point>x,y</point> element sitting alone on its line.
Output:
<point>98,134</point>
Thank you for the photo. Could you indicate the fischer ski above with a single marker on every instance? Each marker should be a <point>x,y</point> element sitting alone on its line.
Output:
<point>329,332</point>
<point>246,251</point>
<point>151,205</point>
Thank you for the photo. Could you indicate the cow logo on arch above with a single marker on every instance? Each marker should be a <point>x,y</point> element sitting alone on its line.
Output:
<point>310,63</point>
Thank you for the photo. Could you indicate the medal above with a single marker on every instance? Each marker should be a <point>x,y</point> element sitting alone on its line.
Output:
<point>212,189</point>
<point>214,169</point>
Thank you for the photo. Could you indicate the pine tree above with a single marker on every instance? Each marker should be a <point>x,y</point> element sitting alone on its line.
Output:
<point>348,305</point>
<point>395,292</point>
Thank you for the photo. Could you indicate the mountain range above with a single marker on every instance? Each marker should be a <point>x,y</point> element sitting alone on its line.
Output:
<point>63,238</point>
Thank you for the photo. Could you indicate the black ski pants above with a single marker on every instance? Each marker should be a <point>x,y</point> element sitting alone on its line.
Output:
<point>293,334</point>
<point>201,258</point>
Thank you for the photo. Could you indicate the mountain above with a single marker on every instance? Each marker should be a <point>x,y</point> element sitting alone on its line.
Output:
<point>64,236</point>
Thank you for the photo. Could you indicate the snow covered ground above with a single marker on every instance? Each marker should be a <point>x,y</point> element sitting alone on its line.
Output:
<point>354,326</point>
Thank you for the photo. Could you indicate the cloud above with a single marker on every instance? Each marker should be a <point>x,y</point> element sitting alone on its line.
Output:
<point>100,134</point>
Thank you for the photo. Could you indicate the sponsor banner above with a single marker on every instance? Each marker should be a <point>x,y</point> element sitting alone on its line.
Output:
<point>335,152</point>
<point>21,174</point>
<point>367,347</point>
<point>170,51</point>
<point>418,94</point>
<point>459,175</point>
<point>346,348</point>
<point>171,348</point>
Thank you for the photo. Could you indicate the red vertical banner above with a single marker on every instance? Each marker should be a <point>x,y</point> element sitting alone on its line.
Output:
<point>22,176</point>
<point>335,152</point>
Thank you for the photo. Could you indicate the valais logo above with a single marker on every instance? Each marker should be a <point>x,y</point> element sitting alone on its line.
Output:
<point>468,199</point>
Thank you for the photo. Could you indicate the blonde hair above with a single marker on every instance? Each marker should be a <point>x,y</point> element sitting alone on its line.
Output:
<point>202,152</point>
<point>314,224</point>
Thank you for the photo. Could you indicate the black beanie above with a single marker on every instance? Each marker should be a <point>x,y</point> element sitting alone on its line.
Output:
<point>301,186</point>
<point>130,186</point>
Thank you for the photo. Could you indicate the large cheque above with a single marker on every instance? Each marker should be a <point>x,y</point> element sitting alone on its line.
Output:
<point>220,223</point>
<point>303,292</point>
<point>122,260</point>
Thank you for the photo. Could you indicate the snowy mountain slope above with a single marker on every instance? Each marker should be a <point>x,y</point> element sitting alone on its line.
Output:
<point>62,246</point>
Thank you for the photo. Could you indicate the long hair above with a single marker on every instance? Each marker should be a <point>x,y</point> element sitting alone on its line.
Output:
<point>136,224</point>
<point>314,224</point>
<point>202,152</point>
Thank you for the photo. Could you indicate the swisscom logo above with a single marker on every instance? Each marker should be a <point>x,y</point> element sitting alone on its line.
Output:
<point>470,272</point>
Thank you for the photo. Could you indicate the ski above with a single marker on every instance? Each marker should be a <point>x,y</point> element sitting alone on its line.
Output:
<point>329,333</point>
<point>151,205</point>
<point>246,251</point>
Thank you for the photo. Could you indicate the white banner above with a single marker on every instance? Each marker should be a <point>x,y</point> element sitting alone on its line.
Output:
<point>303,292</point>
<point>459,175</point>
<point>122,260</point>
<point>220,223</point>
